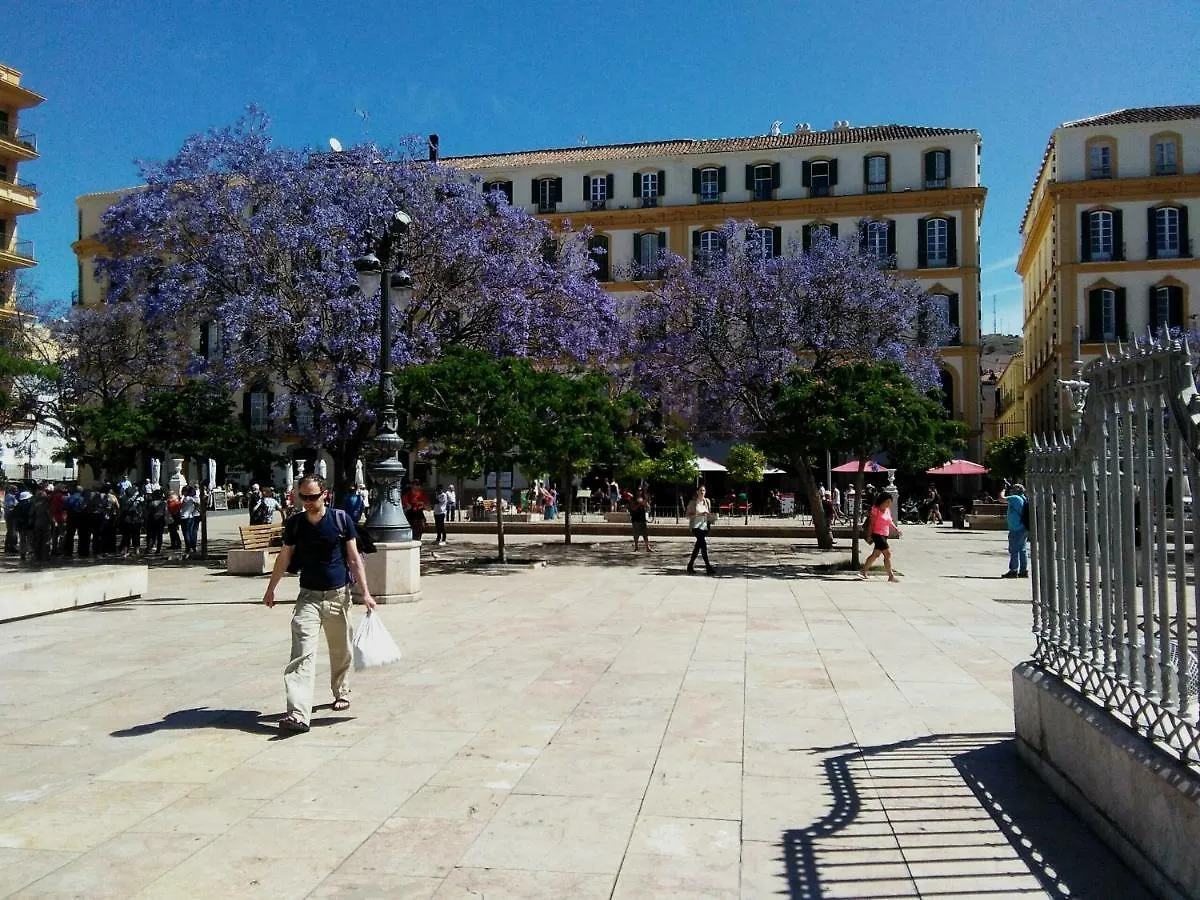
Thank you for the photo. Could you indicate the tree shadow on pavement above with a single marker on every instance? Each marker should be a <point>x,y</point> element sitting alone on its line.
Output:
<point>945,814</point>
<point>250,721</point>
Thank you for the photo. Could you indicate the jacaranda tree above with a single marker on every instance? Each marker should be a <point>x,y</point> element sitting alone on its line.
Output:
<point>257,242</point>
<point>718,332</point>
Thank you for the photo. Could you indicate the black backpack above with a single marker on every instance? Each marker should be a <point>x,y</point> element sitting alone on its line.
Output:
<point>156,513</point>
<point>23,515</point>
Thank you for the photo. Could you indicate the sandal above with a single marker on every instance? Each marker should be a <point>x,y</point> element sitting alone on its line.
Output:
<point>340,704</point>
<point>292,724</point>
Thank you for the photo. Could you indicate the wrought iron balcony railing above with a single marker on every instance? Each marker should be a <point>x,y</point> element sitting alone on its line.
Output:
<point>10,132</point>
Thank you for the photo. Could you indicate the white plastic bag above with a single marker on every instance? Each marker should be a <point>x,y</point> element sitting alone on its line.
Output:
<point>373,646</point>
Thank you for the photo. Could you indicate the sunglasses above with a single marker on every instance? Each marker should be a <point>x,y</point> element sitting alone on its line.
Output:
<point>311,498</point>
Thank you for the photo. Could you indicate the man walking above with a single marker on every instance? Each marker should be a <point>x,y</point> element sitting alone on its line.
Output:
<point>452,503</point>
<point>1018,531</point>
<point>441,502</point>
<point>324,543</point>
<point>11,493</point>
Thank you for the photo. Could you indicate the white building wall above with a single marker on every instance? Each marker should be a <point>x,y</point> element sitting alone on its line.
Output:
<point>1134,153</point>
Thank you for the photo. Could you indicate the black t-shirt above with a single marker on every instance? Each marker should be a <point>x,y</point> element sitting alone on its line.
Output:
<point>637,513</point>
<point>321,548</point>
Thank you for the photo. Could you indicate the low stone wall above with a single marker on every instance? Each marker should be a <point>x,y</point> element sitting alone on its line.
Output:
<point>34,593</point>
<point>1143,802</point>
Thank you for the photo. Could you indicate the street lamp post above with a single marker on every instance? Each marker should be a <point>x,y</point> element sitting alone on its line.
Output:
<point>383,271</point>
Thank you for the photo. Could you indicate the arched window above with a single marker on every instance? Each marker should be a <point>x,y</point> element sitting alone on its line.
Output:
<point>710,185</point>
<point>875,173</point>
<point>1101,234</point>
<point>937,242</point>
<point>711,245</point>
<point>937,169</point>
<point>877,240</point>
<point>764,182</point>
<point>1165,238</point>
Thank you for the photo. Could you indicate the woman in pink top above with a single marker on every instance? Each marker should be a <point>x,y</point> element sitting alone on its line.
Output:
<point>880,527</point>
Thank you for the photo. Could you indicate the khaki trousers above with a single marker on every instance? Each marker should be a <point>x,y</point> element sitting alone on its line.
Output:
<point>317,610</point>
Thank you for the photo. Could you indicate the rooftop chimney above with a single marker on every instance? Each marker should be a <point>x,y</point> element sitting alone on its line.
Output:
<point>433,148</point>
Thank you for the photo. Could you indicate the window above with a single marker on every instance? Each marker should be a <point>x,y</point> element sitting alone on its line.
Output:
<point>597,190</point>
<point>937,169</point>
<point>1162,306</point>
<point>1100,160</point>
<point>710,189</point>
<point>762,242</point>
<point>818,179</point>
<point>937,249</point>
<point>764,183</point>
<point>647,188</point>
<point>707,246</point>
<point>302,416</point>
<point>210,341</point>
<point>1101,235</point>
<point>505,187</point>
<point>1166,152</point>
<point>1108,315</point>
<point>647,249</point>
<point>941,308</point>
<point>877,240</point>
<point>1166,233</point>
<point>545,195</point>
<point>598,250</point>
<point>258,411</point>
<point>876,174</point>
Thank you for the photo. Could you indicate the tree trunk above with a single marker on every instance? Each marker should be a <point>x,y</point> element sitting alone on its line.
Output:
<point>809,485</point>
<point>860,480</point>
<point>568,491</point>
<point>499,517</point>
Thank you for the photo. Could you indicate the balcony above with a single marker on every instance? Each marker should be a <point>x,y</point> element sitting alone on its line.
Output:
<point>710,197</point>
<point>877,187</point>
<point>764,192</point>
<point>1166,169</point>
<point>649,202</point>
<point>26,140</point>
<point>818,190</point>
<point>544,207</point>
<point>936,184</point>
<point>1100,172</point>
<point>18,198</point>
<point>18,253</point>
<point>598,204</point>
<point>1179,251</point>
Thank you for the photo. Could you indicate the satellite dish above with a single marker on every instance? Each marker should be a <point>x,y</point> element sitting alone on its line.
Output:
<point>335,145</point>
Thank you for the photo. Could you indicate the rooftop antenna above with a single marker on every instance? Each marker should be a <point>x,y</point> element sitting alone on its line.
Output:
<point>994,331</point>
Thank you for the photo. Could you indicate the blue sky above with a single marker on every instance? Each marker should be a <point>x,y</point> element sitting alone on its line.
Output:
<point>127,80</point>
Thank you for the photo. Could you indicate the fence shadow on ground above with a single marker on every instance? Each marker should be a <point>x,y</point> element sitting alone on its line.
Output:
<point>945,815</point>
<point>250,721</point>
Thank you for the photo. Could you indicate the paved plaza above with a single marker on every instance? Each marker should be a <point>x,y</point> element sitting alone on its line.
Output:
<point>605,726</point>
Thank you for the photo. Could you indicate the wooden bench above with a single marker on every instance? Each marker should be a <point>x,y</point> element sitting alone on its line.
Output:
<point>260,546</point>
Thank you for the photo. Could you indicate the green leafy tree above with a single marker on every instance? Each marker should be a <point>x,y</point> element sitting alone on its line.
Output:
<point>1007,456</point>
<point>107,436</point>
<point>676,465</point>
<point>863,409</point>
<point>745,465</point>
<point>475,411</point>
<point>577,422</point>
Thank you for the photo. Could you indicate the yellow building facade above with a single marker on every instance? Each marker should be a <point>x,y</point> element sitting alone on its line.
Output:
<point>1105,244</point>
<point>1010,398</point>
<point>918,187</point>
<point>18,196</point>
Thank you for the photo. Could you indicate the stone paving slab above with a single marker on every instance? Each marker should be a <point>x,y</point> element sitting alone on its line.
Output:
<point>606,726</point>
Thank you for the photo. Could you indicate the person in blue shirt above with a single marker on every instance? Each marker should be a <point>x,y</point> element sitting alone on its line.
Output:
<point>325,543</point>
<point>1018,534</point>
<point>354,506</point>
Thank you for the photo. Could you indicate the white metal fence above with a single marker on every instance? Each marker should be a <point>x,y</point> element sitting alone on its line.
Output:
<point>1114,578</point>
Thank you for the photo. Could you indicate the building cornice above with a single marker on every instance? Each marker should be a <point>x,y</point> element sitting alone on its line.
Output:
<point>1151,187</point>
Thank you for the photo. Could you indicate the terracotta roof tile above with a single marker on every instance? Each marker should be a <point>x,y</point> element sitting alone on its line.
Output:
<point>683,147</point>
<point>1139,114</point>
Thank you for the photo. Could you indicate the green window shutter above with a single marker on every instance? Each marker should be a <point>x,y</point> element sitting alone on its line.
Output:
<point>637,185</point>
<point>862,235</point>
<point>891,240</point>
<point>1095,329</point>
<point>1152,295</point>
<point>696,244</point>
<point>662,241</point>
<point>1118,235</point>
<point>246,409</point>
<point>887,169</point>
<point>806,237</point>
<point>947,152</point>
<point>1185,246</point>
<point>637,249</point>
<point>533,191</point>
<point>204,329</point>
<point>776,181</point>
<point>777,240</point>
<point>662,182</point>
<point>1175,294</point>
<point>721,180</point>
<point>951,241</point>
<point>695,181</point>
<point>806,174</point>
<point>922,243</point>
<point>930,165</point>
<point>507,187</point>
<point>866,170</point>
<point>610,183</point>
<point>833,231</point>
<point>750,178</point>
<point>587,188</point>
<point>955,326</point>
<point>1085,236</point>
<point>558,190</point>
<point>832,172</point>
<point>1122,324</point>
<point>1151,239</point>
<point>599,246</point>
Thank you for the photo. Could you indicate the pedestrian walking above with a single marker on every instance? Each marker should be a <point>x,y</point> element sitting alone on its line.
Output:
<point>265,508</point>
<point>174,523</point>
<point>700,516</point>
<point>133,515</point>
<point>42,531</point>
<point>74,506</point>
<point>58,513</point>
<point>440,503</point>
<point>156,522</point>
<point>451,503</point>
<point>878,529</point>
<point>415,503</point>
<point>22,523</point>
<point>1018,531</point>
<point>11,497</point>
<point>189,518</point>
<point>112,511</point>
<point>322,544</point>
<point>91,537</point>
<point>639,518</point>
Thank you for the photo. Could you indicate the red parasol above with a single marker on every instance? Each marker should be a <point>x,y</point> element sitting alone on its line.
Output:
<point>958,467</point>
<point>853,465</point>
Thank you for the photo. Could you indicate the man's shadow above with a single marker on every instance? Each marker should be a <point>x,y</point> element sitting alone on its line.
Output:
<point>250,721</point>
